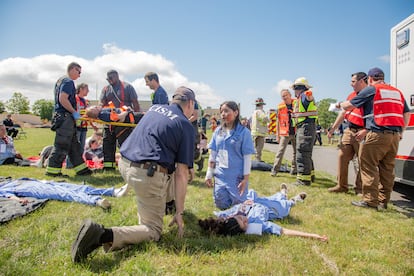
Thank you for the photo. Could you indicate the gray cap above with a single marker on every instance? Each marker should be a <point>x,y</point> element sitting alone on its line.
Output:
<point>184,94</point>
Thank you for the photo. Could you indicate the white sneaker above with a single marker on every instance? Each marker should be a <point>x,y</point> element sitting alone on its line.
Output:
<point>104,203</point>
<point>283,188</point>
<point>121,191</point>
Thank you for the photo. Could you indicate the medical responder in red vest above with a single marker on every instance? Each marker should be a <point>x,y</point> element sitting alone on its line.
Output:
<point>386,116</point>
<point>353,125</point>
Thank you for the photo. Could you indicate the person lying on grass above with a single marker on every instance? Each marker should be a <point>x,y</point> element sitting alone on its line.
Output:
<point>254,216</point>
<point>106,114</point>
<point>27,187</point>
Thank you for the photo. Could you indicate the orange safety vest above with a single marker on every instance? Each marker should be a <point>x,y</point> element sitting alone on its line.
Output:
<point>283,118</point>
<point>388,106</point>
<point>115,117</point>
<point>81,108</point>
<point>356,115</point>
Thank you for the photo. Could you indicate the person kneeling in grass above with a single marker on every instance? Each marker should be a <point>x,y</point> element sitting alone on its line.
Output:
<point>254,216</point>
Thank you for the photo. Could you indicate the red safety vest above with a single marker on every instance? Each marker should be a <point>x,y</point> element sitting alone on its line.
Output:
<point>81,108</point>
<point>283,118</point>
<point>388,106</point>
<point>356,115</point>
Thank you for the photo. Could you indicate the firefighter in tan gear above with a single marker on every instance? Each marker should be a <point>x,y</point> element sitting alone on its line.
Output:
<point>304,116</point>
<point>259,128</point>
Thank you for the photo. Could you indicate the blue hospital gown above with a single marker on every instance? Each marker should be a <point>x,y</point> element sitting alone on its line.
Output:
<point>231,147</point>
<point>263,210</point>
<point>27,187</point>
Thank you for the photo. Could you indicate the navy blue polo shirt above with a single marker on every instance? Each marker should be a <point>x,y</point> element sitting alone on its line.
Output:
<point>67,86</point>
<point>365,98</point>
<point>160,96</point>
<point>164,135</point>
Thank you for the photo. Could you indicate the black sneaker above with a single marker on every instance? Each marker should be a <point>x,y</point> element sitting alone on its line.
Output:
<point>57,174</point>
<point>170,207</point>
<point>84,172</point>
<point>302,182</point>
<point>87,240</point>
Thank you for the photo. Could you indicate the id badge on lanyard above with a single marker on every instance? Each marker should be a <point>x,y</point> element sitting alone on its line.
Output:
<point>223,158</point>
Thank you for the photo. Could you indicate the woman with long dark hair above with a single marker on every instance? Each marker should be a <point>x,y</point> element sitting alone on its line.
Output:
<point>229,163</point>
<point>255,216</point>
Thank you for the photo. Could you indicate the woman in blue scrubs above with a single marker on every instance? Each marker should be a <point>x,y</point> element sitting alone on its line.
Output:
<point>231,148</point>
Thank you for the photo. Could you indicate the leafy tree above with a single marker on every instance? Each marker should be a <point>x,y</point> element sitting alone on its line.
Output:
<point>326,118</point>
<point>18,104</point>
<point>2,107</point>
<point>43,108</point>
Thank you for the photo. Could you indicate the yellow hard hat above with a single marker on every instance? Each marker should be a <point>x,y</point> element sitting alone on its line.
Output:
<point>301,81</point>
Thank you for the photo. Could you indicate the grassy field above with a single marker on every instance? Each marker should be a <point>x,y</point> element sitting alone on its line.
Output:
<point>361,241</point>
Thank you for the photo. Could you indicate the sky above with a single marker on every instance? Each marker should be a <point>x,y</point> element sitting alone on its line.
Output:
<point>235,50</point>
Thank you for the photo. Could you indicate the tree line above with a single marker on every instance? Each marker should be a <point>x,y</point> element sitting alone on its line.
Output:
<point>20,104</point>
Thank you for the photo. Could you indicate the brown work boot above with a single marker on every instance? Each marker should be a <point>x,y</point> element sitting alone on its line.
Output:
<point>338,189</point>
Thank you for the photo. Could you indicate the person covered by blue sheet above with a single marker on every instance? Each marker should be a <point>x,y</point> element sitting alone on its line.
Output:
<point>44,189</point>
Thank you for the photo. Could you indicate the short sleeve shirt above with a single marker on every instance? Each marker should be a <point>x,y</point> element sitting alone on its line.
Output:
<point>164,135</point>
<point>109,92</point>
<point>160,96</point>
<point>67,86</point>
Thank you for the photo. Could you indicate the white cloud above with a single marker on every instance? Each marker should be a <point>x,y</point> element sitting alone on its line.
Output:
<point>282,84</point>
<point>385,58</point>
<point>35,77</point>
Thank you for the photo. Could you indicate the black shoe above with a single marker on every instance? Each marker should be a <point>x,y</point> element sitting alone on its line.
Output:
<point>84,172</point>
<point>363,204</point>
<point>302,182</point>
<point>57,174</point>
<point>87,240</point>
<point>170,207</point>
<point>312,178</point>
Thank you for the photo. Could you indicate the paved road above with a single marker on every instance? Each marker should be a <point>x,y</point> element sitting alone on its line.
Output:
<point>326,159</point>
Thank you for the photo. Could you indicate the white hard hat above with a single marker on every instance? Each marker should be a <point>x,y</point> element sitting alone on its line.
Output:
<point>301,81</point>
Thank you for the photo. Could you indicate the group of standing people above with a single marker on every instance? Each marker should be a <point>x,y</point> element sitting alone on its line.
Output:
<point>71,105</point>
<point>296,125</point>
<point>373,117</point>
<point>385,116</point>
<point>159,153</point>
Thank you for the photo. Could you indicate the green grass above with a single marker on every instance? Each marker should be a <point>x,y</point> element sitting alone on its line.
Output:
<point>361,241</point>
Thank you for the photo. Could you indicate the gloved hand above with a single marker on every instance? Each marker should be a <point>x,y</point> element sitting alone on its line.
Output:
<point>76,115</point>
<point>308,93</point>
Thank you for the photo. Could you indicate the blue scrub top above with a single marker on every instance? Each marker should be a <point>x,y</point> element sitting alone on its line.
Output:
<point>262,211</point>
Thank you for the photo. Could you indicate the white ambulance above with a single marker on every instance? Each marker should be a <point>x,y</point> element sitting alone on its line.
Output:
<point>402,77</point>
